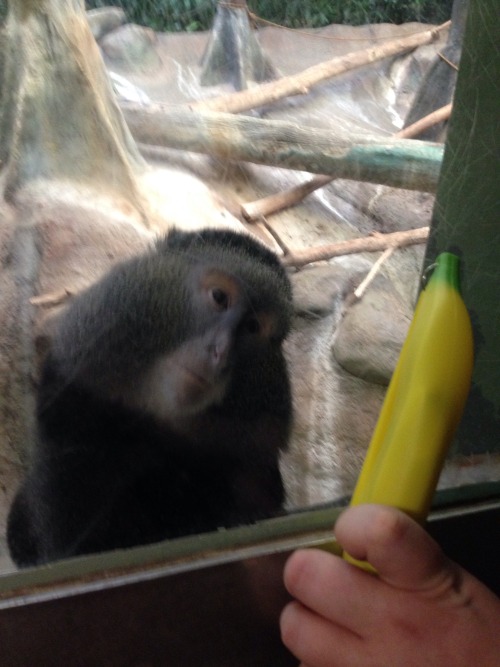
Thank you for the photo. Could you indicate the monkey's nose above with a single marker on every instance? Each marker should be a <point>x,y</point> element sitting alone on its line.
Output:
<point>219,350</point>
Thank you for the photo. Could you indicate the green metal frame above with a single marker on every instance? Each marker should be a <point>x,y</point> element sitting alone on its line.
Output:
<point>467,215</point>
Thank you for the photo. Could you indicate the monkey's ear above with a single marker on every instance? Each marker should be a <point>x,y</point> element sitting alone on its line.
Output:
<point>261,324</point>
<point>173,239</point>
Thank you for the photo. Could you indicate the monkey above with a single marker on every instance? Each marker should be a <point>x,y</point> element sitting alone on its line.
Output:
<point>163,403</point>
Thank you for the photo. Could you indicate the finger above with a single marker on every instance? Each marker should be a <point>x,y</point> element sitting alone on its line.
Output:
<point>401,551</point>
<point>315,641</point>
<point>325,584</point>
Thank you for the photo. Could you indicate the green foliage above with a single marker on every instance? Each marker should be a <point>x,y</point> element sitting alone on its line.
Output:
<point>190,15</point>
<point>315,13</point>
<point>165,15</point>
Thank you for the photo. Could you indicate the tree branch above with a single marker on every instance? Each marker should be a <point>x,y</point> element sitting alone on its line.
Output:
<point>300,84</point>
<point>399,163</point>
<point>352,246</point>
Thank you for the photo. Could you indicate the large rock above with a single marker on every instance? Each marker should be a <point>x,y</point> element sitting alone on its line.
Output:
<point>369,337</point>
<point>318,290</point>
<point>105,19</point>
<point>132,48</point>
<point>334,410</point>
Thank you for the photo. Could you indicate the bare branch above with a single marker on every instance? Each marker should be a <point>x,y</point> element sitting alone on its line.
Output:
<point>413,130</point>
<point>352,246</point>
<point>282,200</point>
<point>300,84</point>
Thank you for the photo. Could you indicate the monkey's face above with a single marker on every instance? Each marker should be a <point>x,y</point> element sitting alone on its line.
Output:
<point>226,327</point>
<point>194,325</point>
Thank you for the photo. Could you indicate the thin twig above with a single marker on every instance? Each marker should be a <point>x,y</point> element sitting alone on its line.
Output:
<point>448,62</point>
<point>370,276</point>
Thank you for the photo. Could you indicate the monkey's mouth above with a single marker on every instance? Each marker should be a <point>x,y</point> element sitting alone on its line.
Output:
<point>195,380</point>
<point>197,391</point>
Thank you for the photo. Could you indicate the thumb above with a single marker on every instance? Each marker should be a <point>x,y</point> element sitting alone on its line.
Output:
<point>400,550</point>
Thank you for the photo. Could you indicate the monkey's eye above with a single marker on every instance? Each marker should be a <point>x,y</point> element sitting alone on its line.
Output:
<point>220,298</point>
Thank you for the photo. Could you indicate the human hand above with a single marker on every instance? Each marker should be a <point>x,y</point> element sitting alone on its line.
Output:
<point>421,609</point>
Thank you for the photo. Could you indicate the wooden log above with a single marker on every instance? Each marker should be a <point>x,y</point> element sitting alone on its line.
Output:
<point>400,163</point>
<point>279,201</point>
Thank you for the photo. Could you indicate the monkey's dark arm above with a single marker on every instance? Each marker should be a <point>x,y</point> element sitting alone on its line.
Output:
<point>107,477</point>
<point>63,506</point>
